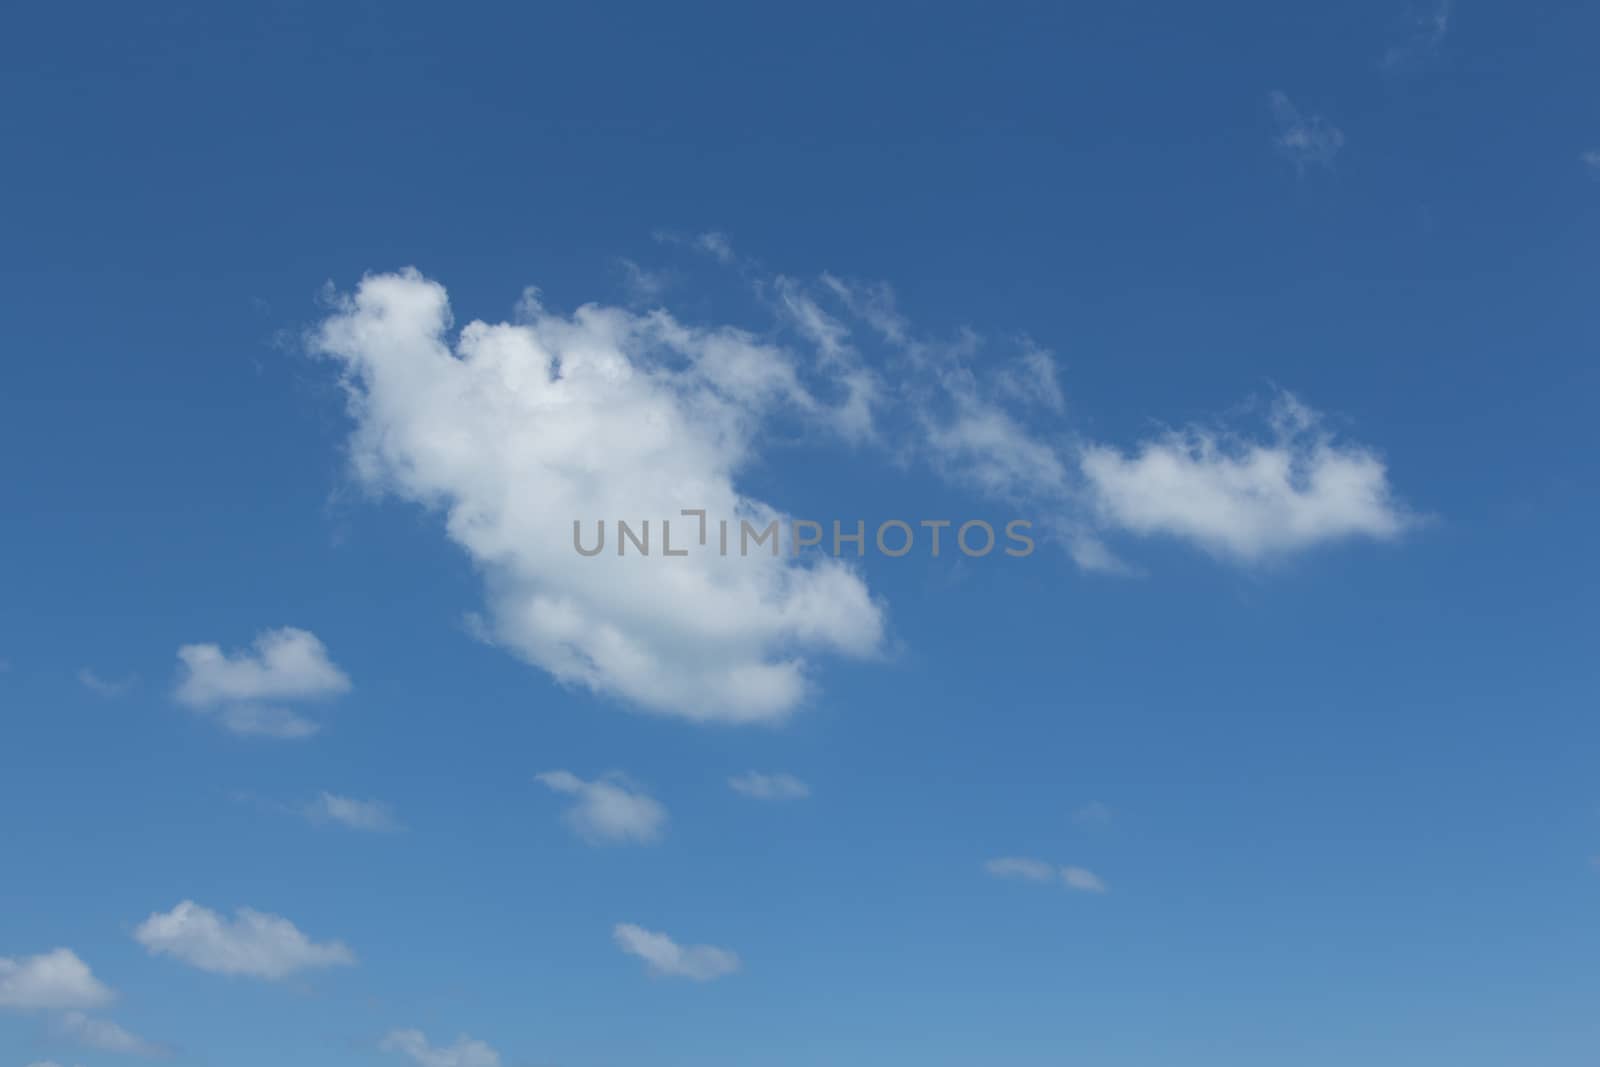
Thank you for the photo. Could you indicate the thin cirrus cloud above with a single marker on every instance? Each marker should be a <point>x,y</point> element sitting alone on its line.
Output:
<point>370,815</point>
<point>252,944</point>
<point>106,1036</point>
<point>511,432</point>
<point>250,690</point>
<point>769,786</point>
<point>1305,140</point>
<point>607,810</point>
<point>1018,868</point>
<point>50,981</point>
<point>464,1052</point>
<point>105,687</point>
<point>664,956</point>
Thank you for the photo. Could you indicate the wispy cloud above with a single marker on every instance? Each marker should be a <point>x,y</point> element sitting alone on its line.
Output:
<point>700,963</point>
<point>1424,33</point>
<point>104,687</point>
<point>1304,139</point>
<point>1591,162</point>
<point>370,815</point>
<point>106,1036</point>
<point>607,810</point>
<point>769,786</point>
<point>1019,868</point>
<point>464,1052</point>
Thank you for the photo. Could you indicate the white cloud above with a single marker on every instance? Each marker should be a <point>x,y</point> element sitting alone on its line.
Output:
<point>105,1036</point>
<point>104,687</point>
<point>665,956</point>
<point>608,810</point>
<point>368,815</point>
<point>247,689</point>
<point>769,786</point>
<point>466,1052</point>
<point>1082,879</point>
<point>1248,500</point>
<point>50,981</point>
<point>514,431</point>
<point>1031,870</point>
<point>1021,868</point>
<point>252,943</point>
<point>1304,139</point>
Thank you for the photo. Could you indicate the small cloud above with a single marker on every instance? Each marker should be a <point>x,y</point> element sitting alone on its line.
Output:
<point>1082,879</point>
<point>1424,32</point>
<point>770,786</point>
<point>370,815</point>
<point>253,943</point>
<point>1093,813</point>
<point>247,689</point>
<point>1591,162</point>
<point>1304,139</point>
<point>1031,870</point>
<point>1020,868</point>
<point>700,963</point>
<point>645,286</point>
<point>466,1052</point>
<point>102,687</point>
<point>106,1036</point>
<point>51,981</point>
<point>716,245</point>
<point>607,810</point>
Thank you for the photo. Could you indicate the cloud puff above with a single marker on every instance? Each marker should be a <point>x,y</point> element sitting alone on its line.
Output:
<point>370,815</point>
<point>1245,499</point>
<point>252,943</point>
<point>665,956</point>
<point>1304,139</point>
<point>1031,870</point>
<point>464,1053</point>
<point>608,810</point>
<point>769,786</point>
<point>50,981</point>
<point>248,688</point>
<point>106,1036</point>
<point>515,431</point>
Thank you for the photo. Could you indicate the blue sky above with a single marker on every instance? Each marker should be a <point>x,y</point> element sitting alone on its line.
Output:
<point>322,746</point>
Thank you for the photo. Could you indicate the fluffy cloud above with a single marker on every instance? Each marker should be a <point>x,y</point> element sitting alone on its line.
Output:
<point>769,786</point>
<point>510,432</point>
<point>1248,500</point>
<point>665,956</point>
<point>105,1036</point>
<point>370,815</point>
<point>1030,870</point>
<point>608,810</point>
<point>514,431</point>
<point>1304,139</point>
<point>50,981</point>
<point>252,943</point>
<point>464,1053</point>
<point>247,690</point>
